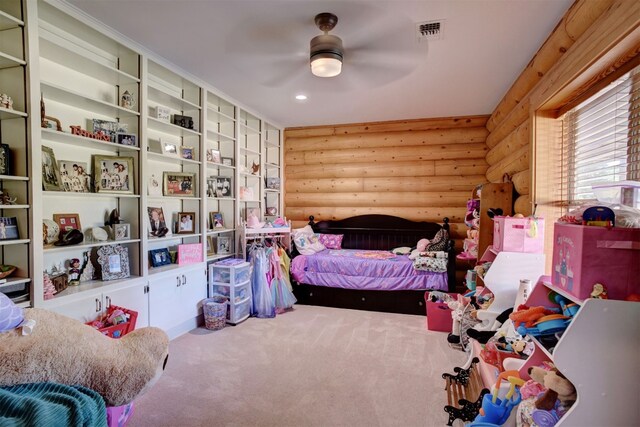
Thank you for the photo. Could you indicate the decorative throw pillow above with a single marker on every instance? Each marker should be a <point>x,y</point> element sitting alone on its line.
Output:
<point>306,242</point>
<point>439,241</point>
<point>402,250</point>
<point>331,241</point>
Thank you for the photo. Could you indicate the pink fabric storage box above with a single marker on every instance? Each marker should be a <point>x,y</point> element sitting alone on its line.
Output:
<point>586,255</point>
<point>518,234</point>
<point>438,316</point>
<point>117,416</point>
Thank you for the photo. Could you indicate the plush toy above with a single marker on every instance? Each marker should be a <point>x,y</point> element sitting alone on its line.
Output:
<point>528,316</point>
<point>63,350</point>
<point>422,245</point>
<point>558,387</point>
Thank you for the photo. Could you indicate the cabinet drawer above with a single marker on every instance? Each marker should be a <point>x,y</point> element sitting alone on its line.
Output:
<point>238,312</point>
<point>224,275</point>
<point>241,292</point>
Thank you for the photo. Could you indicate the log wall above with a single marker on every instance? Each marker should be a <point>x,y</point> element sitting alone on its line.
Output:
<point>510,124</point>
<point>422,170</point>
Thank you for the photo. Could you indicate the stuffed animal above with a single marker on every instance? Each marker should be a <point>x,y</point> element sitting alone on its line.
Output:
<point>558,387</point>
<point>528,316</point>
<point>63,350</point>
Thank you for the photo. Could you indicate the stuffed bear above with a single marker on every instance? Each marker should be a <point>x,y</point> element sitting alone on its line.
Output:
<point>557,386</point>
<point>63,350</point>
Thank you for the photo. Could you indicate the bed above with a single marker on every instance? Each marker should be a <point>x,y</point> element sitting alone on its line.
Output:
<point>364,274</point>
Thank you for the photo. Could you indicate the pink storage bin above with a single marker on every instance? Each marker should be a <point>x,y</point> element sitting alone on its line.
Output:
<point>438,316</point>
<point>518,234</point>
<point>586,255</point>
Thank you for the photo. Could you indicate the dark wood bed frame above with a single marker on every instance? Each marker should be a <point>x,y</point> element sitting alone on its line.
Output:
<point>375,232</point>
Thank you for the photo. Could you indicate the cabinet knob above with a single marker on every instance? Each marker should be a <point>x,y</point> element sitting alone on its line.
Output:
<point>108,299</point>
<point>97,305</point>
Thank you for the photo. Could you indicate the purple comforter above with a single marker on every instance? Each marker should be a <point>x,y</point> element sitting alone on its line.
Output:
<point>360,269</point>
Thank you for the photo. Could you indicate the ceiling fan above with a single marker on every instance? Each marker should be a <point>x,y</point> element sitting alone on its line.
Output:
<point>326,51</point>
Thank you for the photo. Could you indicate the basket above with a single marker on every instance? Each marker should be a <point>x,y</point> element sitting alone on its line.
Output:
<point>215,312</point>
<point>121,329</point>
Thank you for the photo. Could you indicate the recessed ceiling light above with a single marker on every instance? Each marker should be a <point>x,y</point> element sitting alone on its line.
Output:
<point>301,97</point>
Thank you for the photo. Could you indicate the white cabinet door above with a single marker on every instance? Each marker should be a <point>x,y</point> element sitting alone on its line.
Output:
<point>82,309</point>
<point>133,297</point>
<point>193,291</point>
<point>164,301</point>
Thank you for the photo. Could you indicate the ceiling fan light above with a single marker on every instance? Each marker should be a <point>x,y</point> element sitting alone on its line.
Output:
<point>326,67</point>
<point>326,55</point>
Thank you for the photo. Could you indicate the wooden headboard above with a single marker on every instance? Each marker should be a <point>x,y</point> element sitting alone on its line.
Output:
<point>385,232</point>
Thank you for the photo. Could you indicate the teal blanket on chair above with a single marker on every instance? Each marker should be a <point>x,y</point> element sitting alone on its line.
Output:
<point>51,405</point>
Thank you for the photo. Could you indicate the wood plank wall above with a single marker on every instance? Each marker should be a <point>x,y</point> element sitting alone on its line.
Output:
<point>510,124</point>
<point>422,170</point>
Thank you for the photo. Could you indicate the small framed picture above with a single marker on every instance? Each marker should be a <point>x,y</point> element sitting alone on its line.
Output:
<point>246,194</point>
<point>8,228</point>
<point>223,245</point>
<point>109,128</point>
<point>5,160</point>
<point>74,176</point>
<point>227,161</point>
<point>211,245</point>
<point>130,139</point>
<point>113,174</point>
<point>114,260</point>
<point>179,184</point>
<point>121,231</point>
<point>272,183</point>
<point>169,149</point>
<point>223,187</point>
<point>50,172</point>
<point>163,113</point>
<point>157,222</point>
<point>187,153</point>
<point>216,220</point>
<point>154,188</point>
<point>67,222</point>
<point>186,223</point>
<point>155,146</point>
<point>213,156</point>
<point>159,257</point>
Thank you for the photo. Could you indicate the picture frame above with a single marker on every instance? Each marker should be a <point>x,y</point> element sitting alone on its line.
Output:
<point>6,162</point>
<point>170,149</point>
<point>159,257</point>
<point>155,146</point>
<point>211,245</point>
<point>67,222</point>
<point>114,262</point>
<point>246,194</point>
<point>211,186</point>
<point>187,153</point>
<point>74,176</point>
<point>163,113</point>
<point>50,171</point>
<point>272,183</point>
<point>227,161</point>
<point>216,220</point>
<point>186,223</point>
<point>130,139</point>
<point>213,156</point>
<point>179,184</point>
<point>113,174</point>
<point>121,231</point>
<point>223,245</point>
<point>9,228</point>
<point>157,223</point>
<point>109,128</point>
<point>224,186</point>
<point>154,187</point>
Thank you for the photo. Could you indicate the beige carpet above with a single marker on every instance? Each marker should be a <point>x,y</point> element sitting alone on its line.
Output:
<point>314,366</point>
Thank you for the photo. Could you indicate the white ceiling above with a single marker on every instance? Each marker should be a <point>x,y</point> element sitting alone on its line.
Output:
<point>256,51</point>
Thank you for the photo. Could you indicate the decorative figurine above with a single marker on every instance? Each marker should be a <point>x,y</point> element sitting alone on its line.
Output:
<point>87,272</point>
<point>255,168</point>
<point>6,199</point>
<point>74,272</point>
<point>6,101</point>
<point>44,119</point>
<point>127,101</point>
<point>48,289</point>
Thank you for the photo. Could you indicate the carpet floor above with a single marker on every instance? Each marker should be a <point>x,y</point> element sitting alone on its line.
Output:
<point>313,366</point>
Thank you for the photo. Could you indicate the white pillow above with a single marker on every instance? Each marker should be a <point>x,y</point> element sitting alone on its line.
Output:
<point>306,241</point>
<point>402,250</point>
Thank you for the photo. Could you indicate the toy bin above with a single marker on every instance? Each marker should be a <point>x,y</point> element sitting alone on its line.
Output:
<point>438,316</point>
<point>518,234</point>
<point>586,255</point>
<point>121,329</point>
<point>215,312</point>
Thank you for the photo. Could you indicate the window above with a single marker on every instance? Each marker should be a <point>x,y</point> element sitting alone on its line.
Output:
<point>601,140</point>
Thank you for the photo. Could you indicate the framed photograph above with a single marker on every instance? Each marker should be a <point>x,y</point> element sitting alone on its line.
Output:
<point>67,222</point>
<point>8,228</point>
<point>74,176</point>
<point>272,183</point>
<point>155,146</point>
<point>159,257</point>
<point>121,231</point>
<point>246,194</point>
<point>224,187</point>
<point>108,128</point>
<point>216,220</point>
<point>187,153</point>
<point>5,160</point>
<point>211,186</point>
<point>179,184</point>
<point>157,222</point>
<point>186,223</point>
<point>154,188</point>
<point>223,245</point>
<point>211,245</point>
<point>113,174</point>
<point>213,156</point>
<point>50,172</point>
<point>169,148</point>
<point>163,113</point>
<point>114,262</point>
<point>227,161</point>
<point>130,139</point>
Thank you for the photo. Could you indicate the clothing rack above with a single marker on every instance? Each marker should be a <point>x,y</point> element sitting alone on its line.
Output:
<point>280,234</point>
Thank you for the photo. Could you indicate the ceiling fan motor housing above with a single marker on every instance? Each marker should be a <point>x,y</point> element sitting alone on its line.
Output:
<point>326,46</point>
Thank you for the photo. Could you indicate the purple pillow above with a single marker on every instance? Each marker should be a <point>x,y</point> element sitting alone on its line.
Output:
<point>331,241</point>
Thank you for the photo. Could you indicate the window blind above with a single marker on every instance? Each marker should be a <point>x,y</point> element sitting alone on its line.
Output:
<point>601,139</point>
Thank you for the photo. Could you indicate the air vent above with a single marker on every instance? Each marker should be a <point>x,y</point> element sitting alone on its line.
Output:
<point>430,30</point>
